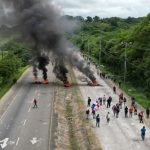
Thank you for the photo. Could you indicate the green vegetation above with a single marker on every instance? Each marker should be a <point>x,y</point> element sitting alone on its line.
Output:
<point>5,87</point>
<point>13,62</point>
<point>113,39</point>
<point>140,97</point>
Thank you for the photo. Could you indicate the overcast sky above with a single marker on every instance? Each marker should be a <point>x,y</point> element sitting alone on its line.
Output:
<point>104,8</point>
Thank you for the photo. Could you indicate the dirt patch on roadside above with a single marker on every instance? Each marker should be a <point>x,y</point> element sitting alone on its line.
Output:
<point>74,132</point>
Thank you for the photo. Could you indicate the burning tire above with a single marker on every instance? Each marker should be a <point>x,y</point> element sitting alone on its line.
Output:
<point>93,83</point>
<point>67,84</point>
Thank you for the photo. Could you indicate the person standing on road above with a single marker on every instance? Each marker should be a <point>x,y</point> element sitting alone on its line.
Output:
<point>87,113</point>
<point>121,96</point>
<point>114,109</point>
<point>126,112</point>
<point>100,100</point>
<point>131,110</point>
<point>114,89</point>
<point>135,109</point>
<point>97,120</point>
<point>93,113</point>
<point>108,117</point>
<point>124,101</point>
<point>141,116</point>
<point>120,104</point>
<point>110,99</point>
<point>104,99</point>
<point>120,100</point>
<point>132,100</point>
<point>109,102</point>
<point>117,110</point>
<point>147,112</point>
<point>143,130</point>
<point>89,101</point>
<point>35,103</point>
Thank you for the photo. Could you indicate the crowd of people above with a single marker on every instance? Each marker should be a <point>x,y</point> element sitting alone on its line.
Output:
<point>121,105</point>
<point>129,110</point>
<point>96,105</point>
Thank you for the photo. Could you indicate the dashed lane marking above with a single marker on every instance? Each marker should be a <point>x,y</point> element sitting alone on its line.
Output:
<point>29,109</point>
<point>24,122</point>
<point>17,141</point>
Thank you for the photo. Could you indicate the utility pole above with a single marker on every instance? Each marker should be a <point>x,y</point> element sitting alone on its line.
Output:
<point>88,48</point>
<point>100,53</point>
<point>125,59</point>
<point>125,63</point>
<point>81,47</point>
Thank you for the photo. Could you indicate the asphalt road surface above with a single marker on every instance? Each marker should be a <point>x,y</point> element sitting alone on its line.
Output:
<point>121,133</point>
<point>21,126</point>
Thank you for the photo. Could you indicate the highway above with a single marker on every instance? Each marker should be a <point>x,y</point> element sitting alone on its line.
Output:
<point>23,127</point>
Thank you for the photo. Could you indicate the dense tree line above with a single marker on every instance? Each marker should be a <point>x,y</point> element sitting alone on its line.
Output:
<point>118,37</point>
<point>13,57</point>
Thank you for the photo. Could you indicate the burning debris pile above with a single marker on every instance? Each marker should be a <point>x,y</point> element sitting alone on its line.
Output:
<point>61,72</point>
<point>43,62</point>
<point>40,24</point>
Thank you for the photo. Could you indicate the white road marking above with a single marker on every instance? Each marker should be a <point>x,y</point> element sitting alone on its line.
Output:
<point>8,107</point>
<point>34,140</point>
<point>17,141</point>
<point>24,122</point>
<point>3,143</point>
<point>29,109</point>
<point>45,123</point>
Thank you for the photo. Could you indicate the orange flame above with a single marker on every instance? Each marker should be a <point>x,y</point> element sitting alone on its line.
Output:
<point>45,81</point>
<point>94,83</point>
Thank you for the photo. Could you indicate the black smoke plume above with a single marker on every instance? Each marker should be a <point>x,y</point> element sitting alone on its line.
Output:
<point>43,62</point>
<point>60,70</point>
<point>39,23</point>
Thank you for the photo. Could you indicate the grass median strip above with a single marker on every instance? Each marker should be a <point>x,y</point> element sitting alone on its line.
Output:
<point>73,132</point>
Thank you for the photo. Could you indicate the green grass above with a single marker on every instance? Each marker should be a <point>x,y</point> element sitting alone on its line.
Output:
<point>139,96</point>
<point>73,140</point>
<point>5,87</point>
<point>21,70</point>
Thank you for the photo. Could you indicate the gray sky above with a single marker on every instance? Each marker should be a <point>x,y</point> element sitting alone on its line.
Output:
<point>104,8</point>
